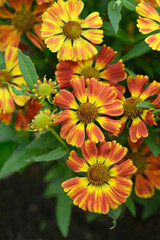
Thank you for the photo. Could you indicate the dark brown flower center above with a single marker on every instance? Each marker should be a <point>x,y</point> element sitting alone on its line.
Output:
<point>87,112</point>
<point>98,174</point>
<point>4,77</point>
<point>139,160</point>
<point>90,72</point>
<point>23,20</point>
<point>130,109</point>
<point>72,29</point>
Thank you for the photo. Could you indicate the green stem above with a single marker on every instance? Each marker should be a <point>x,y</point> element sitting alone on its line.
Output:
<point>58,137</point>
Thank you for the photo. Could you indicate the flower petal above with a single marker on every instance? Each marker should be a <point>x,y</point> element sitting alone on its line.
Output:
<point>104,57</point>
<point>137,130</point>
<point>54,43</point>
<point>94,133</point>
<point>154,41</point>
<point>93,20</point>
<point>66,50</point>
<point>82,49</point>
<point>109,124</point>
<point>80,92</point>
<point>93,35</point>
<point>143,188</point>
<point>76,135</point>
<point>150,90</point>
<point>90,151</point>
<point>114,73</point>
<point>65,99</point>
<point>76,163</point>
<point>146,25</point>
<point>145,10</point>
<point>74,8</point>
<point>136,85</point>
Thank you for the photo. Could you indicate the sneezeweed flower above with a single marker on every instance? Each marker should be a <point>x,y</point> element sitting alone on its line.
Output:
<point>44,1</point>
<point>106,183</point>
<point>147,176</point>
<point>23,20</point>
<point>149,21</point>
<point>45,89</point>
<point>11,75</point>
<point>95,103</point>
<point>68,35</point>
<point>42,121</point>
<point>138,116</point>
<point>2,2</point>
<point>22,115</point>
<point>153,3</point>
<point>99,67</point>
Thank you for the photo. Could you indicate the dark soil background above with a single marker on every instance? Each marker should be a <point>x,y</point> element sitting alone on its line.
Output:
<point>26,215</point>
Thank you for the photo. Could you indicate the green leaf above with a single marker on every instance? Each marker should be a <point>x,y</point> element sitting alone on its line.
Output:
<point>18,161</point>
<point>48,141</point>
<point>6,149</point>
<point>145,105</point>
<point>7,133</point>
<point>152,144</point>
<point>109,31</point>
<point>156,111</point>
<point>114,14</point>
<point>53,155</point>
<point>150,205</point>
<point>139,49</point>
<point>129,4</point>
<point>63,212</point>
<point>28,70</point>
<point>53,188</point>
<point>2,61</point>
<point>114,214</point>
<point>131,206</point>
<point>130,72</point>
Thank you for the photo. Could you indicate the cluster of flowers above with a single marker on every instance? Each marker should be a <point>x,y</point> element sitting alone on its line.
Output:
<point>89,91</point>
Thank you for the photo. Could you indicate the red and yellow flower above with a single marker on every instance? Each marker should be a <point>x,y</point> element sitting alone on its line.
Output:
<point>44,1</point>
<point>68,35</point>
<point>2,2</point>
<point>11,76</point>
<point>153,3</point>
<point>98,102</point>
<point>23,20</point>
<point>99,67</point>
<point>147,176</point>
<point>138,116</point>
<point>22,115</point>
<point>149,21</point>
<point>107,182</point>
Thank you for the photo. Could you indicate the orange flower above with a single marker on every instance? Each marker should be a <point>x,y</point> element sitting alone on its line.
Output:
<point>98,102</point>
<point>149,21</point>
<point>106,183</point>
<point>22,116</point>
<point>153,3</point>
<point>147,176</point>
<point>99,67</point>
<point>2,2</point>
<point>68,35</point>
<point>13,76</point>
<point>23,20</point>
<point>138,116</point>
<point>44,1</point>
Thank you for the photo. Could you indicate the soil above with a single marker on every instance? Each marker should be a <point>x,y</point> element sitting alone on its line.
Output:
<point>26,215</point>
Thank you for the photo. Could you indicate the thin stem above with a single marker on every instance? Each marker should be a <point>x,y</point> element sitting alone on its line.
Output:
<point>58,137</point>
